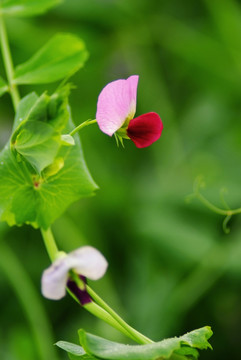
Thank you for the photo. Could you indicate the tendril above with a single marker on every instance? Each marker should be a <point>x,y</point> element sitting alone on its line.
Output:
<point>227,212</point>
<point>226,228</point>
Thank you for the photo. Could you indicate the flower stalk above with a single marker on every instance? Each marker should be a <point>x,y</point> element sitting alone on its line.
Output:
<point>50,243</point>
<point>140,338</point>
<point>81,126</point>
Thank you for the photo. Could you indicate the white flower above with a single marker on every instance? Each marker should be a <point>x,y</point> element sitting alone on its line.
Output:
<point>86,261</point>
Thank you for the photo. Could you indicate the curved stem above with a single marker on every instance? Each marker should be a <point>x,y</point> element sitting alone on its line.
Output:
<point>8,63</point>
<point>104,313</point>
<point>140,338</point>
<point>29,300</point>
<point>99,312</point>
<point>82,125</point>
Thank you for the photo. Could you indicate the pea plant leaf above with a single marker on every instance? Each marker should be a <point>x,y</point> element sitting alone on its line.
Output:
<point>33,197</point>
<point>38,143</point>
<point>179,348</point>
<point>71,348</point>
<point>75,352</point>
<point>3,86</point>
<point>26,7</point>
<point>38,136</point>
<point>24,108</point>
<point>61,56</point>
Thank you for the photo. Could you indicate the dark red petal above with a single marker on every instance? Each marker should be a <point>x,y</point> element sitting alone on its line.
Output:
<point>82,295</point>
<point>145,129</point>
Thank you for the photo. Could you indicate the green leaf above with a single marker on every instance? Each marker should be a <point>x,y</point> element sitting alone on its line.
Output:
<point>183,347</point>
<point>52,109</point>
<point>38,135</point>
<point>52,169</point>
<point>38,199</point>
<point>71,348</point>
<point>26,7</point>
<point>3,86</point>
<point>198,338</point>
<point>62,56</point>
<point>187,351</point>
<point>24,108</point>
<point>38,143</point>
<point>75,352</point>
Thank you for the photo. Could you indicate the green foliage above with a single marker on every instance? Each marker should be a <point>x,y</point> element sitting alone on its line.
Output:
<point>71,348</point>
<point>36,168</point>
<point>3,86</point>
<point>38,143</point>
<point>74,351</point>
<point>165,349</point>
<point>26,7</point>
<point>61,56</point>
<point>179,348</point>
<point>38,136</point>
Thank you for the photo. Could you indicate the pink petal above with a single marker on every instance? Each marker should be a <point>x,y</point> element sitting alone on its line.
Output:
<point>145,129</point>
<point>116,103</point>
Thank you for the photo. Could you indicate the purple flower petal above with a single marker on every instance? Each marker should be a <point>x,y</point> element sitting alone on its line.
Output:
<point>116,103</point>
<point>82,295</point>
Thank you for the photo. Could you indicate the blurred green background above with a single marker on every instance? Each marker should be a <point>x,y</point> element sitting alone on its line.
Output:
<point>171,267</point>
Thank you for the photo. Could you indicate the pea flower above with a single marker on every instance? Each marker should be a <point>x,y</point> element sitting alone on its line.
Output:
<point>116,108</point>
<point>85,262</point>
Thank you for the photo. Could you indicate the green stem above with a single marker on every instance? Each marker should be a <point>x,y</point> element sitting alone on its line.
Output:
<point>50,243</point>
<point>82,125</point>
<point>140,338</point>
<point>100,308</point>
<point>99,312</point>
<point>8,63</point>
<point>29,299</point>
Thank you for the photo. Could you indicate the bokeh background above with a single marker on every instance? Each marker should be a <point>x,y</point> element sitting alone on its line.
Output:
<point>171,267</point>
